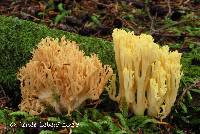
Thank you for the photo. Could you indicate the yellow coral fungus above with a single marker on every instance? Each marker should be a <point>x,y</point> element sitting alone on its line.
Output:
<point>61,76</point>
<point>149,75</point>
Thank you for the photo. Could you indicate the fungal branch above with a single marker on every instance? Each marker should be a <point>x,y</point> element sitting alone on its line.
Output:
<point>149,75</point>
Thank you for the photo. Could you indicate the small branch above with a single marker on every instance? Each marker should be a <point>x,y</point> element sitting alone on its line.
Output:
<point>186,1</point>
<point>177,23</point>
<point>169,8</point>
<point>28,15</point>
<point>99,3</point>
<point>185,90</point>
<point>180,3</point>
<point>172,35</point>
<point>152,29</point>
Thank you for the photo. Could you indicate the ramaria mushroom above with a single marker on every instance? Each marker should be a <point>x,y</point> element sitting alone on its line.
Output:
<point>149,75</point>
<point>60,76</point>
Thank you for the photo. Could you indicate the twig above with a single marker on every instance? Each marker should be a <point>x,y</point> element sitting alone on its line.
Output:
<point>28,15</point>
<point>152,29</point>
<point>169,8</point>
<point>186,1</point>
<point>99,3</point>
<point>177,23</point>
<point>172,35</point>
<point>180,3</point>
<point>185,90</point>
<point>183,2</point>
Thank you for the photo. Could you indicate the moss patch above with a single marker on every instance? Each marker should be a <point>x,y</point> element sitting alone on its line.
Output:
<point>19,37</point>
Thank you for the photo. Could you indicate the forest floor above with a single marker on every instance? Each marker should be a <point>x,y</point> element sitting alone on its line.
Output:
<point>175,23</point>
<point>98,18</point>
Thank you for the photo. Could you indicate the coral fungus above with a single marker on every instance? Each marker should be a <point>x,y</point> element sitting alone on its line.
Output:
<point>59,75</point>
<point>149,75</point>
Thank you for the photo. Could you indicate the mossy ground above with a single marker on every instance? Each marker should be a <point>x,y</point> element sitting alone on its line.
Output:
<point>19,37</point>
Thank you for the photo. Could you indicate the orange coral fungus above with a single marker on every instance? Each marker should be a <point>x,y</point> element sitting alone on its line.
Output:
<point>61,76</point>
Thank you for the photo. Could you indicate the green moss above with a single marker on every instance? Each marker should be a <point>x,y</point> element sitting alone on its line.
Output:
<point>19,37</point>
